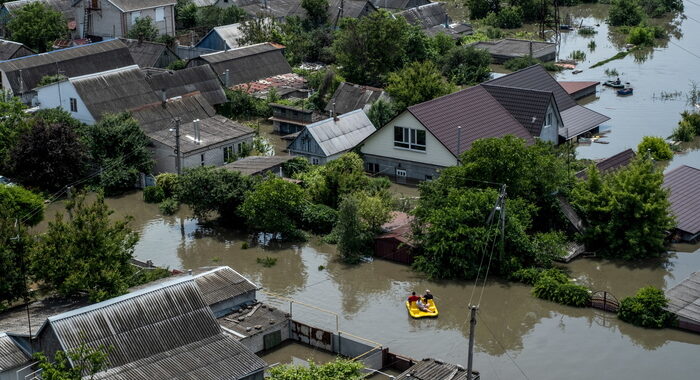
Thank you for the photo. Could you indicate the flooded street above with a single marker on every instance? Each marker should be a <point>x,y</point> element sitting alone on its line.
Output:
<point>546,340</point>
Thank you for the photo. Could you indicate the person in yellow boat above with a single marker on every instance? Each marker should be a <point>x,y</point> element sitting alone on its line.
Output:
<point>427,296</point>
<point>413,297</point>
<point>422,305</point>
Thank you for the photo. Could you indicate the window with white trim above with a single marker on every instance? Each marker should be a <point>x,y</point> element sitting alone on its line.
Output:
<point>400,172</point>
<point>135,15</point>
<point>409,138</point>
<point>228,153</point>
<point>160,14</point>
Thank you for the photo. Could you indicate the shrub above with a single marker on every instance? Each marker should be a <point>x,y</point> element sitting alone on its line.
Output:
<point>169,206</point>
<point>625,12</point>
<point>684,132</point>
<point>318,218</point>
<point>508,18</point>
<point>573,295</point>
<point>267,261</point>
<point>587,31</point>
<point>167,182</point>
<point>553,285</point>
<point>520,63</point>
<point>592,46</point>
<point>657,147</point>
<point>527,276</point>
<point>693,119</point>
<point>296,165</point>
<point>577,55</point>
<point>177,65</point>
<point>153,194</point>
<point>641,35</point>
<point>646,309</point>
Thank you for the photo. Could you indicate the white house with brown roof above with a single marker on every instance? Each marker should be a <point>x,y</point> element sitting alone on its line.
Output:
<point>114,18</point>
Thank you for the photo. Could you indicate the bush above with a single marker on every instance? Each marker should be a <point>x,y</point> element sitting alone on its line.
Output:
<point>625,12</point>
<point>169,206</point>
<point>296,165</point>
<point>657,147</point>
<point>646,309</point>
<point>693,119</point>
<point>20,203</point>
<point>527,276</point>
<point>641,35</point>
<point>267,261</point>
<point>508,18</point>
<point>684,132</point>
<point>553,285</point>
<point>167,182</point>
<point>177,65</point>
<point>515,64</point>
<point>577,55</point>
<point>144,276</point>
<point>318,218</point>
<point>153,194</point>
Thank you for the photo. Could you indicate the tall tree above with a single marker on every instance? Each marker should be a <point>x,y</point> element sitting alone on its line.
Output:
<point>625,12</point>
<point>207,189</point>
<point>12,125</point>
<point>316,11</point>
<point>87,253</point>
<point>37,26</point>
<point>381,112</point>
<point>15,245</point>
<point>627,212</point>
<point>143,30</point>
<point>416,83</point>
<point>275,206</point>
<point>465,65</point>
<point>49,156</point>
<point>119,150</point>
<point>19,203</point>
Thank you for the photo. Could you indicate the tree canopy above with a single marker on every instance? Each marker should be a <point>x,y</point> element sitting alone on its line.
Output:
<point>12,125</point>
<point>37,25</point>
<point>15,245</point>
<point>416,83</point>
<point>340,369</point>
<point>275,206</point>
<point>73,365</point>
<point>207,189</point>
<point>19,203</point>
<point>143,30</point>
<point>465,65</point>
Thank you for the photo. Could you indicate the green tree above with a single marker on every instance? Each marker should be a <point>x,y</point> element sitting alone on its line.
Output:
<point>416,83</point>
<point>13,124</point>
<point>478,9</point>
<point>15,245</point>
<point>627,212</point>
<point>316,11</point>
<point>119,149</point>
<point>339,369</point>
<point>381,112</point>
<point>37,25</point>
<point>22,204</point>
<point>296,165</point>
<point>207,189</point>
<point>327,184</point>
<point>465,65</point>
<point>143,30</point>
<point>212,16</point>
<point>657,147</point>
<point>87,253</point>
<point>646,309</point>
<point>641,35</point>
<point>625,12</point>
<point>275,206</point>
<point>185,14</point>
<point>353,238</point>
<point>48,156</point>
<point>368,49</point>
<point>83,362</point>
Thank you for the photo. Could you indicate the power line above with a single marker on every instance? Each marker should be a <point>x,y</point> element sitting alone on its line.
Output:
<point>504,349</point>
<point>686,50</point>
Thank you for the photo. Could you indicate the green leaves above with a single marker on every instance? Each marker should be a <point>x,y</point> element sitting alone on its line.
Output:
<point>37,25</point>
<point>646,309</point>
<point>275,206</point>
<point>207,189</point>
<point>340,369</point>
<point>416,83</point>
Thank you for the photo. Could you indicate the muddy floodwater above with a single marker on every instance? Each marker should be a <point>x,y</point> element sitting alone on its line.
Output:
<point>546,340</point>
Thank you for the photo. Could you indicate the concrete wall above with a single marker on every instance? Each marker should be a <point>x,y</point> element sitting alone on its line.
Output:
<point>48,97</point>
<point>110,21</point>
<point>164,26</point>
<point>256,342</point>
<point>225,307</point>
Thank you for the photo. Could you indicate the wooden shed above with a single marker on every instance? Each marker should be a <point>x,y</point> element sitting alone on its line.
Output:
<point>395,242</point>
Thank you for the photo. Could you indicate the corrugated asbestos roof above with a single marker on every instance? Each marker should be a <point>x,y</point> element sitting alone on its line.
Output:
<point>114,91</point>
<point>579,120</point>
<point>222,283</point>
<point>683,183</point>
<point>213,130</point>
<point>8,49</point>
<point>188,80</point>
<point>134,5</point>
<point>163,332</point>
<point>536,78</point>
<point>337,135</point>
<point>528,106</point>
<point>475,110</point>
<point>249,63</point>
<point>348,97</point>
<point>229,34</point>
<point>426,16</point>
<point>11,355</point>
<point>684,298</point>
<point>513,47</point>
<point>72,62</point>
<point>398,4</point>
<point>256,164</point>
<point>155,117</point>
<point>611,163</point>
<point>145,53</point>
<point>431,369</point>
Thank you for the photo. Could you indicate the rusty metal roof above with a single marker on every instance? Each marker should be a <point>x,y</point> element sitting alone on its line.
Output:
<point>222,283</point>
<point>684,298</point>
<point>11,355</point>
<point>683,183</point>
<point>431,369</point>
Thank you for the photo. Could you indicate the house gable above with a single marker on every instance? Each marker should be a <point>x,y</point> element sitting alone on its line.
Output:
<point>381,143</point>
<point>305,144</point>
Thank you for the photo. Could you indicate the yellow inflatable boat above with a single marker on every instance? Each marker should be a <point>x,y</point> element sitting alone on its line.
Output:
<point>415,312</point>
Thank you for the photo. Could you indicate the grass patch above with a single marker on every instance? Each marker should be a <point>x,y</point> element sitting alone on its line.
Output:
<point>267,261</point>
<point>619,55</point>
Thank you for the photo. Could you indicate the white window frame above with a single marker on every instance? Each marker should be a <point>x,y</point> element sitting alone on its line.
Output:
<point>401,172</point>
<point>135,15</point>
<point>160,14</point>
<point>409,139</point>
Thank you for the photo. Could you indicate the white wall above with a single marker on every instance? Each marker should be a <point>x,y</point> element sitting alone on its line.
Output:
<point>166,26</point>
<point>551,134</point>
<point>110,21</point>
<point>59,95</point>
<point>381,143</point>
<point>164,156</point>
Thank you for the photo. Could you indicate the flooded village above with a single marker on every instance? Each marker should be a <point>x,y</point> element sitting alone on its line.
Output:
<point>290,196</point>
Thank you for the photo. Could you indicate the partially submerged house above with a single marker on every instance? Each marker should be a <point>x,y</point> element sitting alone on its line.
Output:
<point>21,75</point>
<point>509,48</point>
<point>258,165</point>
<point>150,54</point>
<point>432,135</point>
<point>684,302</point>
<point>281,9</point>
<point>433,19</point>
<point>611,163</point>
<point>288,119</point>
<point>114,18</point>
<point>245,64</point>
<point>683,184</point>
<point>11,49</point>
<point>188,80</point>
<point>395,242</point>
<point>328,139</point>
<point>348,97</point>
<point>578,89</point>
<point>432,369</point>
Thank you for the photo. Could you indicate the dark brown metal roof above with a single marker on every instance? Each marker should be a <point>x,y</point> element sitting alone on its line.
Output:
<point>536,78</point>
<point>579,120</point>
<point>684,298</point>
<point>684,185</point>
<point>431,369</point>
<point>528,106</point>
<point>11,355</point>
<point>478,113</point>
<point>611,163</point>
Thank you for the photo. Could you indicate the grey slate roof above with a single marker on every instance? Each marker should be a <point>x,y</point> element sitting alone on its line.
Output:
<point>537,78</point>
<point>62,6</point>
<point>611,163</point>
<point>342,134</point>
<point>426,16</point>
<point>11,355</point>
<point>528,106</point>
<point>248,63</point>
<point>512,47</point>
<point>228,33</point>
<point>256,164</point>
<point>578,120</point>
<point>74,61</point>
<point>134,5</point>
<point>475,110</point>
<point>213,130</point>
<point>114,91</point>
<point>163,332</point>
<point>684,298</point>
<point>398,4</point>
<point>431,369</point>
<point>154,117</point>
<point>348,97</point>
<point>188,80</point>
<point>11,49</point>
<point>222,283</point>
<point>146,53</point>
<point>683,183</point>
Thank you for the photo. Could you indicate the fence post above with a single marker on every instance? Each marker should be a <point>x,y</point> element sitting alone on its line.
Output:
<point>605,301</point>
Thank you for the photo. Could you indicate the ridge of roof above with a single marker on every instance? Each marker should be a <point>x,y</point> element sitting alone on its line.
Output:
<point>62,50</point>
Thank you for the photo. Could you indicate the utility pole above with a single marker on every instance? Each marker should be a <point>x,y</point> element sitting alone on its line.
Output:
<point>472,326</point>
<point>178,163</point>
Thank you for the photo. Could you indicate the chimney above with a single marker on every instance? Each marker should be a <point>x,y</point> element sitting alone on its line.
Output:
<point>163,97</point>
<point>333,113</point>
<point>197,135</point>
<point>226,78</point>
<point>189,271</point>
